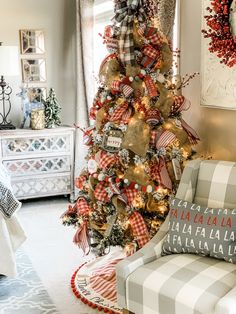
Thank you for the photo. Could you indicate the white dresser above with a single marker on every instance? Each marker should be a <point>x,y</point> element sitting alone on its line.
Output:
<point>40,162</point>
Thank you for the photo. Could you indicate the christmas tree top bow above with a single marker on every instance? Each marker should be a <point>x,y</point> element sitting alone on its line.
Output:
<point>126,12</point>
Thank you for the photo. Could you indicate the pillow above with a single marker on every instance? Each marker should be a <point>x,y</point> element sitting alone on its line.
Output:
<point>201,230</point>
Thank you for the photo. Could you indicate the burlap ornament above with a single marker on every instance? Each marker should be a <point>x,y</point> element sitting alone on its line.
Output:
<point>167,58</point>
<point>109,72</point>
<point>154,206</point>
<point>138,39</point>
<point>170,170</point>
<point>137,136</point>
<point>137,174</point>
<point>101,114</point>
<point>181,135</point>
<point>165,100</point>
<point>120,205</point>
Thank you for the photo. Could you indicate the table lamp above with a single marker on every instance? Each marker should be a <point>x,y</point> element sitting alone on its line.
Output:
<point>9,66</point>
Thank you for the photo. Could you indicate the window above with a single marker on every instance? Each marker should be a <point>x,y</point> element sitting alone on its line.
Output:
<point>103,12</point>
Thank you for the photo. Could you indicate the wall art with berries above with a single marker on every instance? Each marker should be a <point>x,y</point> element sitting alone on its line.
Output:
<point>218,54</point>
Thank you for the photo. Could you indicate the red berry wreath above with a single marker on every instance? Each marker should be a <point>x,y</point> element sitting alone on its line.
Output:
<point>222,40</point>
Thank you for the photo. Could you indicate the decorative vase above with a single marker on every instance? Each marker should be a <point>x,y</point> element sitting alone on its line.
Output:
<point>37,119</point>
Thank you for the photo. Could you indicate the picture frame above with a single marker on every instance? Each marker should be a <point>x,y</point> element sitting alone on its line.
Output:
<point>218,81</point>
<point>34,70</point>
<point>32,41</point>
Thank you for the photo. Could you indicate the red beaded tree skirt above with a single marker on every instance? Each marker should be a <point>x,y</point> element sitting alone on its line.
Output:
<point>94,283</point>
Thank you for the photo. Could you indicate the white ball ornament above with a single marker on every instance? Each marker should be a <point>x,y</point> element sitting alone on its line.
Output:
<point>136,186</point>
<point>101,177</point>
<point>126,181</point>
<point>149,189</point>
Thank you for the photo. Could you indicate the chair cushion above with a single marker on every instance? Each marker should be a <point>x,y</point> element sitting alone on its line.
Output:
<point>179,284</point>
<point>216,184</point>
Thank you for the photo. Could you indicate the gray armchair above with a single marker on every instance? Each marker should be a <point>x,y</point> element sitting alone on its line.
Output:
<point>149,283</point>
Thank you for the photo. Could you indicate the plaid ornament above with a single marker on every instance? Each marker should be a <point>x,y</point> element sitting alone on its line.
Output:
<point>107,160</point>
<point>119,111</point>
<point>147,62</point>
<point>100,192</point>
<point>153,36</point>
<point>80,181</point>
<point>81,238</point>
<point>139,229</point>
<point>130,195</point>
<point>83,208</point>
<point>166,137</point>
<point>151,52</point>
<point>112,44</point>
<point>125,13</point>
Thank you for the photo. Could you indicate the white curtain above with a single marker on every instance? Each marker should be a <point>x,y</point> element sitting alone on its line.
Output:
<point>84,69</point>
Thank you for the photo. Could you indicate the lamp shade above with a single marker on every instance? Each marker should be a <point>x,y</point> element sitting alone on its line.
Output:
<point>9,61</point>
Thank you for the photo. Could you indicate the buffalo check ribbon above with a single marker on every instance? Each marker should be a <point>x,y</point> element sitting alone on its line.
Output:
<point>130,194</point>
<point>83,207</point>
<point>125,13</point>
<point>81,237</point>
<point>100,192</point>
<point>139,229</point>
<point>80,182</point>
<point>107,160</point>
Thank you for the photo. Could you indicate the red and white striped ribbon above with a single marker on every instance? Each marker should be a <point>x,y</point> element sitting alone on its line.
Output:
<point>81,238</point>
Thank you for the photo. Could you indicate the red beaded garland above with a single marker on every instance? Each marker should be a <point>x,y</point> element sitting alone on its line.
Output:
<point>222,43</point>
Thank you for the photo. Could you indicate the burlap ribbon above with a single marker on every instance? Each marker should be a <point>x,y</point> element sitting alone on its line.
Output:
<point>125,13</point>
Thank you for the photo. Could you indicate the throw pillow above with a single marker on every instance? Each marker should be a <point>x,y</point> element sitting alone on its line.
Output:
<point>201,230</point>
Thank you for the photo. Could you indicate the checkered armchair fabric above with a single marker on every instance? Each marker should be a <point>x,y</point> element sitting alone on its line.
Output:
<point>148,283</point>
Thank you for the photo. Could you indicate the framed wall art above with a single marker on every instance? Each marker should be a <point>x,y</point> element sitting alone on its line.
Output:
<point>218,58</point>
<point>32,41</point>
<point>33,70</point>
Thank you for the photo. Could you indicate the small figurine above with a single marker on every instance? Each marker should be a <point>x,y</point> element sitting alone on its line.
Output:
<point>28,105</point>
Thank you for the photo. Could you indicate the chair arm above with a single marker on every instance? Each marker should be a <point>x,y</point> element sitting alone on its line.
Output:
<point>150,252</point>
<point>227,304</point>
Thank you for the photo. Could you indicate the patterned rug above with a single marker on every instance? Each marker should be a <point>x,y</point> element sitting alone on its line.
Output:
<point>26,293</point>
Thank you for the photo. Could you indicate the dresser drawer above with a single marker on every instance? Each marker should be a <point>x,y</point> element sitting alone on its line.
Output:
<point>36,145</point>
<point>30,187</point>
<point>35,166</point>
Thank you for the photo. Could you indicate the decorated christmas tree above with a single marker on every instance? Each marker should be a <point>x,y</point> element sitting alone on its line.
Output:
<point>138,142</point>
<point>52,110</point>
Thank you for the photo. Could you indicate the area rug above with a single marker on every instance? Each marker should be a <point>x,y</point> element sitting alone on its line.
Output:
<point>26,293</point>
<point>94,283</point>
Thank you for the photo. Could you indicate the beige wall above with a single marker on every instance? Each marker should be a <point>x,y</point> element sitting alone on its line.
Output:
<point>216,127</point>
<point>57,18</point>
